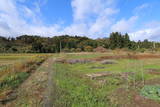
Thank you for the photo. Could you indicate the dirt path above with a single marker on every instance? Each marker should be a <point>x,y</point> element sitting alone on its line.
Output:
<point>37,90</point>
<point>49,93</point>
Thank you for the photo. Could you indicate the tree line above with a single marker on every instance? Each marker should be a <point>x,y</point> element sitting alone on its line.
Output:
<point>67,43</point>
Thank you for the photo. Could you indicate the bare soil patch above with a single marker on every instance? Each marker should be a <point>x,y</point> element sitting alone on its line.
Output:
<point>131,98</point>
<point>123,75</point>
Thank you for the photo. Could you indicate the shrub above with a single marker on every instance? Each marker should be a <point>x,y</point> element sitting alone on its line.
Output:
<point>100,49</point>
<point>88,48</point>
<point>142,50</point>
<point>65,50</point>
<point>78,50</point>
<point>72,50</point>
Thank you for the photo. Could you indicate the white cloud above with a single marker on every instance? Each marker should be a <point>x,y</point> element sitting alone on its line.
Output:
<point>76,29</point>
<point>150,30</point>
<point>94,15</point>
<point>90,17</point>
<point>83,9</point>
<point>7,6</point>
<point>124,25</point>
<point>15,21</point>
<point>150,33</point>
<point>103,21</point>
<point>152,24</point>
<point>93,18</point>
<point>141,7</point>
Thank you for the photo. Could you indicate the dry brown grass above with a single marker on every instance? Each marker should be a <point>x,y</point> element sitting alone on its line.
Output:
<point>129,56</point>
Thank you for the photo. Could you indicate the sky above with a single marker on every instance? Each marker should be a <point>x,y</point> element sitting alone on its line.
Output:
<point>91,18</point>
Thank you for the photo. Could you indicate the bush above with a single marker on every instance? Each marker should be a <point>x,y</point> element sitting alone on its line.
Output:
<point>72,50</point>
<point>142,50</point>
<point>88,48</point>
<point>100,49</point>
<point>65,50</point>
<point>78,50</point>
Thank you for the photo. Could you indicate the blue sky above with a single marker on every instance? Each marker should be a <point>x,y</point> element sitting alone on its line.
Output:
<point>92,18</point>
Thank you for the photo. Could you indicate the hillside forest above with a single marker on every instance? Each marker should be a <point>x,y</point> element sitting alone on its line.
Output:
<point>67,43</point>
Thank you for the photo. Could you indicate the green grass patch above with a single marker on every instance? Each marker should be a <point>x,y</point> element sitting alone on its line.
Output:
<point>151,92</point>
<point>13,80</point>
<point>88,55</point>
<point>76,91</point>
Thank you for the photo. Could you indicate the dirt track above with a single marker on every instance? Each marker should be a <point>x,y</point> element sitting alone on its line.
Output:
<point>36,91</point>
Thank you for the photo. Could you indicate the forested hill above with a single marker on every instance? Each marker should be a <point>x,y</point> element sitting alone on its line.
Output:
<point>66,43</point>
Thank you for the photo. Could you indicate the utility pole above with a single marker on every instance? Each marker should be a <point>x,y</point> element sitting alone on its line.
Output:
<point>60,47</point>
<point>154,45</point>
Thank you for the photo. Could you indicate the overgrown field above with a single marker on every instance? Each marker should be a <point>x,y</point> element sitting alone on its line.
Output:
<point>14,69</point>
<point>106,80</point>
<point>112,79</point>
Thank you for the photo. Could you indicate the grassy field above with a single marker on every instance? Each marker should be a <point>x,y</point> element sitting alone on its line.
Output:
<point>111,79</point>
<point>15,68</point>
<point>119,83</point>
